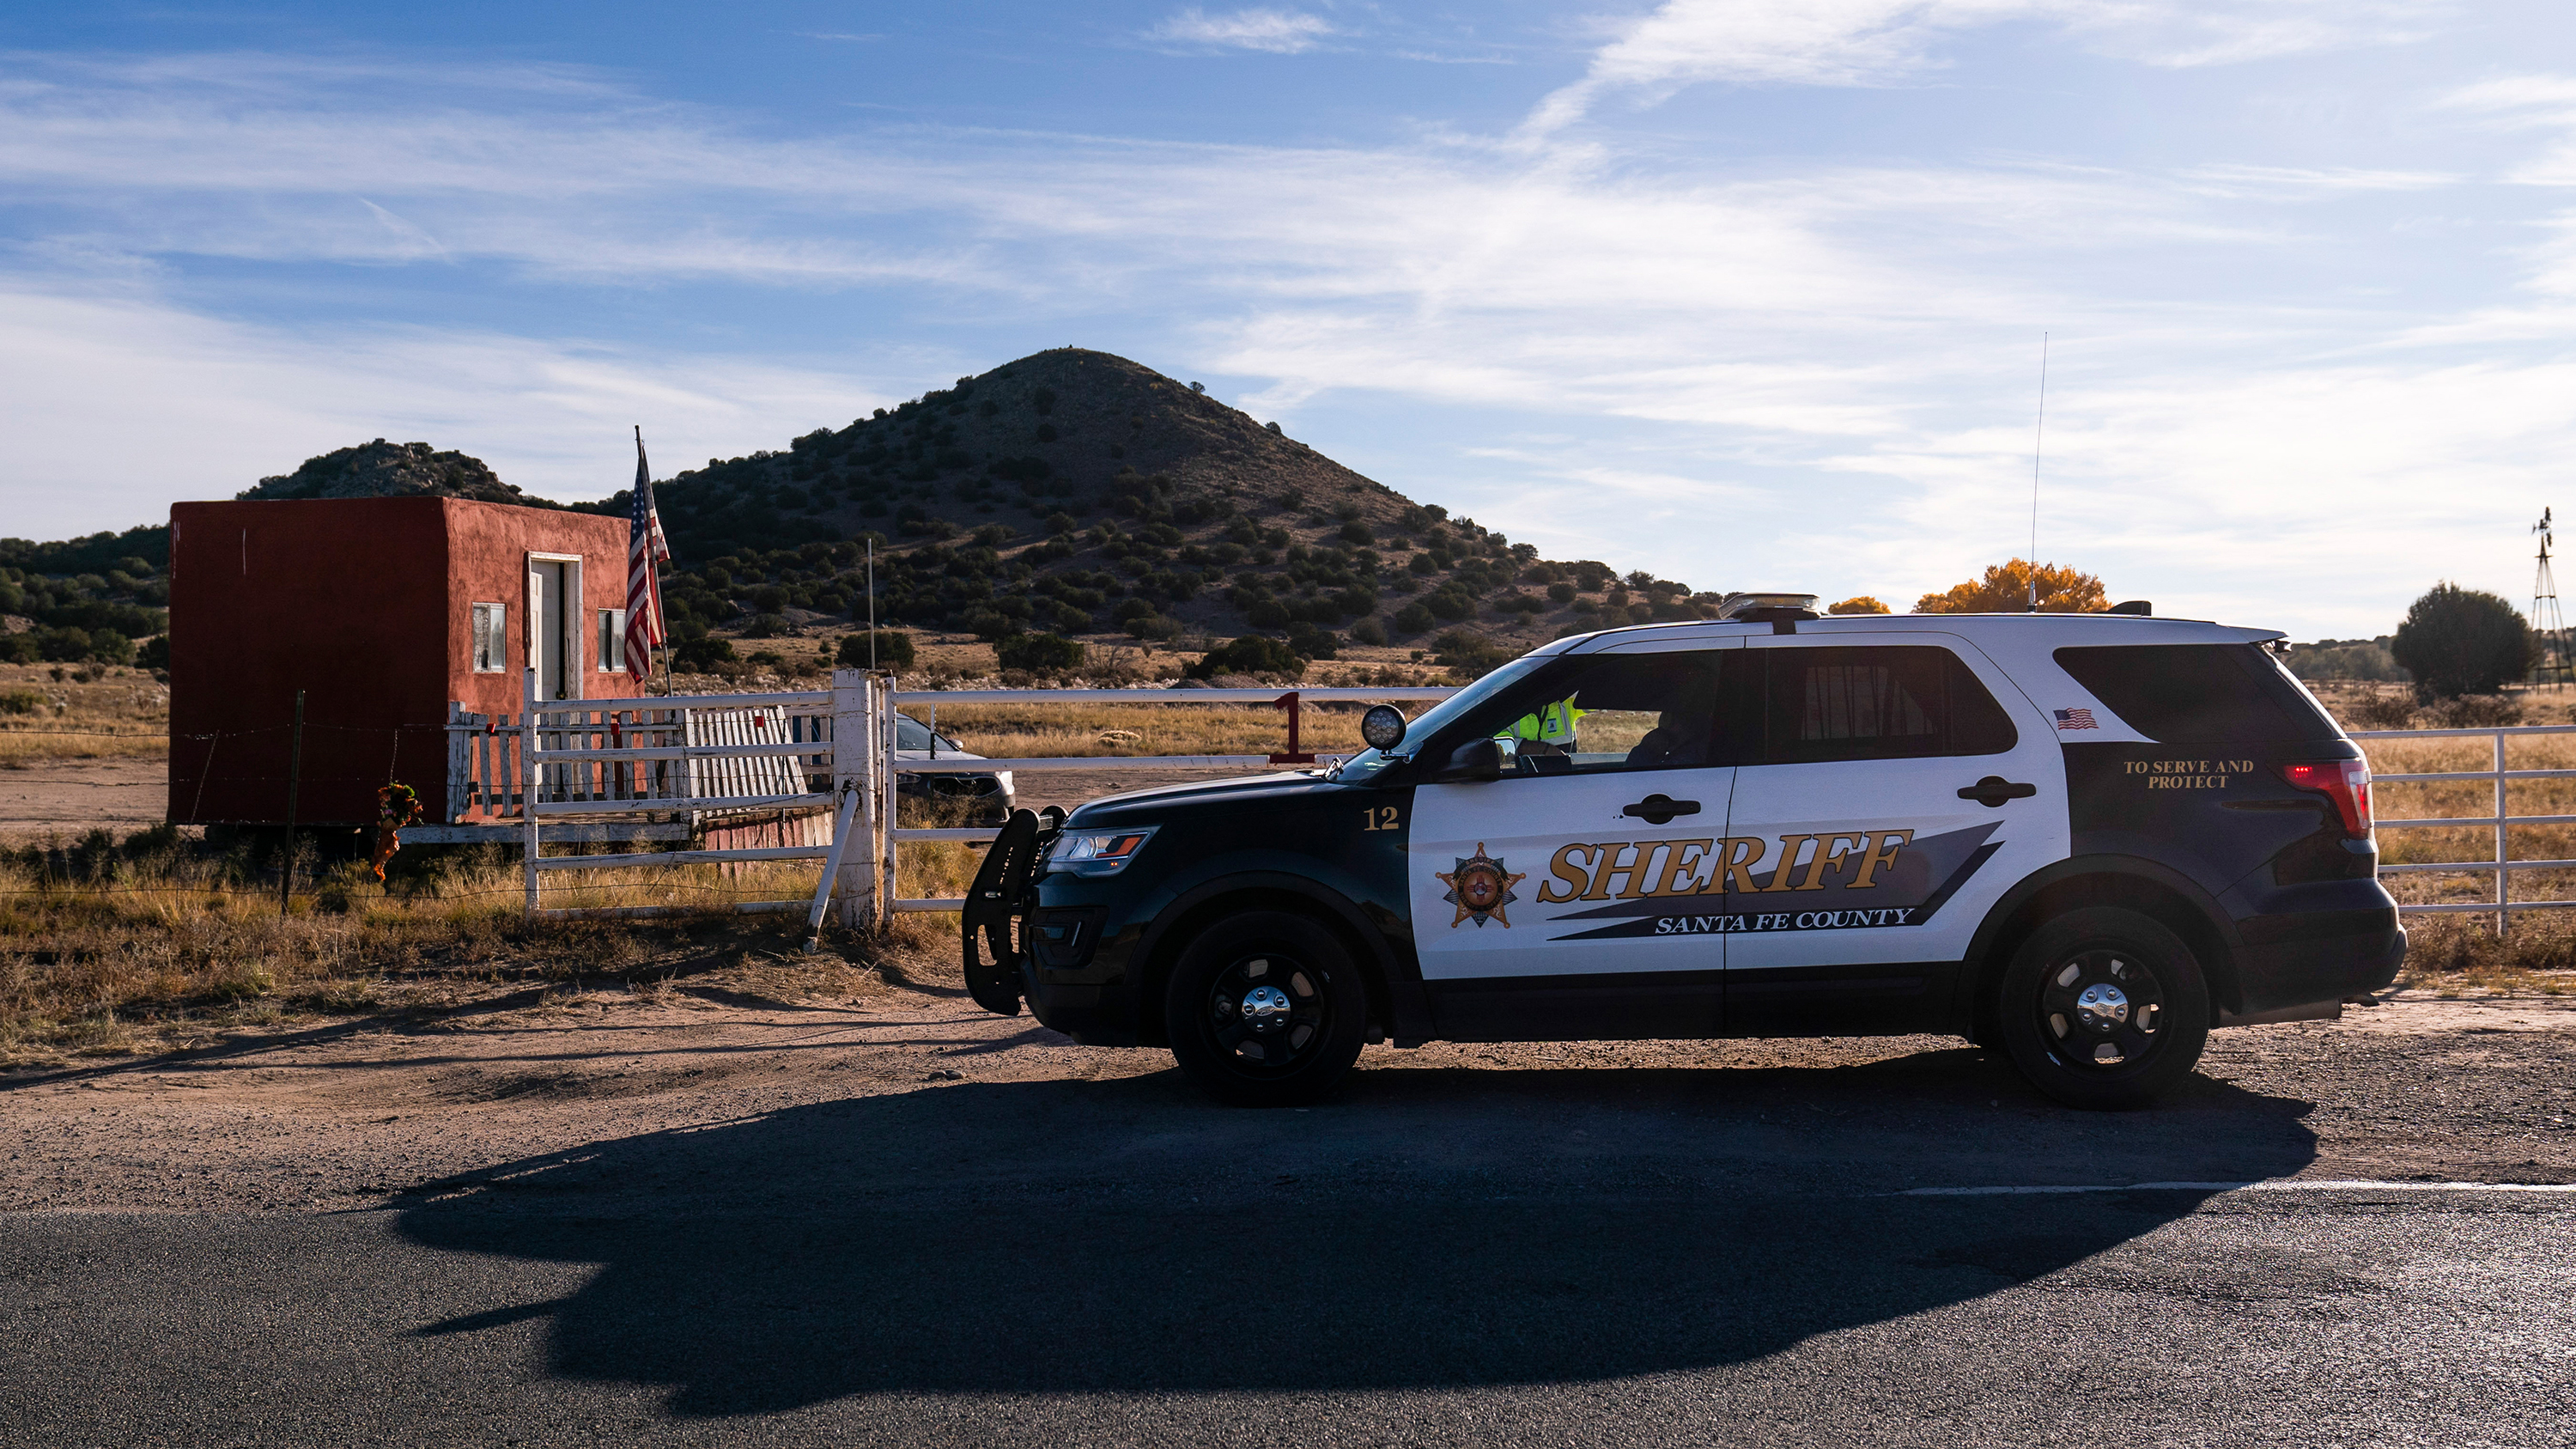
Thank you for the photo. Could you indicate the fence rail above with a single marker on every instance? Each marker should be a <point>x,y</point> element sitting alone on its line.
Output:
<point>2501,864</point>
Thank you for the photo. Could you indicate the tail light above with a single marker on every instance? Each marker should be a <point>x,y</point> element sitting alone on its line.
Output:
<point>2345,782</point>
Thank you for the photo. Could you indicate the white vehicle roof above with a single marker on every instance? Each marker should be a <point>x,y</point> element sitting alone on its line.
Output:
<point>2021,645</point>
<point>1997,634</point>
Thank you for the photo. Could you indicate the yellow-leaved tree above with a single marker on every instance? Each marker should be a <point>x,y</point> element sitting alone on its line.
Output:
<point>2006,590</point>
<point>1859,604</point>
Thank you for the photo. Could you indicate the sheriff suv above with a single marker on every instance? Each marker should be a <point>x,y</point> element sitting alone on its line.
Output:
<point>2081,840</point>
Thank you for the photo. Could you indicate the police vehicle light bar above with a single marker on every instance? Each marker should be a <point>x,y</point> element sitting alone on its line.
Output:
<point>1761,606</point>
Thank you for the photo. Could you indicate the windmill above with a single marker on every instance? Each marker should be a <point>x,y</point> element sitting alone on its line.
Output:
<point>2553,666</point>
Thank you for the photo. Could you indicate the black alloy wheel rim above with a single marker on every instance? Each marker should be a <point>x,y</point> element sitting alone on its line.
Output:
<point>1268,1013</point>
<point>2101,1011</point>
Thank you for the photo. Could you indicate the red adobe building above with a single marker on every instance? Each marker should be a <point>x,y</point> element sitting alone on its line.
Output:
<point>382,610</point>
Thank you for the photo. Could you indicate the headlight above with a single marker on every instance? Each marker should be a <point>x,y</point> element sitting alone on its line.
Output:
<point>1097,852</point>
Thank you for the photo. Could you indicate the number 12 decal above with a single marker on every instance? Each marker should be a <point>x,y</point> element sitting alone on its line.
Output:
<point>1379,817</point>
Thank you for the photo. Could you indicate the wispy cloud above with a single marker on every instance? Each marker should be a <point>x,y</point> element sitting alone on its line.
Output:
<point>1280,32</point>
<point>1883,42</point>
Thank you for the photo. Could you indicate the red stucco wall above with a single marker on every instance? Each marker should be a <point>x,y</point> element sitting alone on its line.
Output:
<point>487,548</point>
<point>361,603</point>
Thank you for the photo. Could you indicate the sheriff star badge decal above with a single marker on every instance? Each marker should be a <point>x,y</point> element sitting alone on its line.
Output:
<point>1480,888</point>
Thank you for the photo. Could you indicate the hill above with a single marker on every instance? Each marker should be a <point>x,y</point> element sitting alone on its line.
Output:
<point>1077,492</point>
<point>1069,492</point>
<point>392,470</point>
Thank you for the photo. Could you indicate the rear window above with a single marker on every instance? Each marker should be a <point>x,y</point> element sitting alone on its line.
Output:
<point>2218,693</point>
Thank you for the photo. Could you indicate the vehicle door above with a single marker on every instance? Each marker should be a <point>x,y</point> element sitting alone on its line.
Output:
<point>1901,784</point>
<point>1552,903</point>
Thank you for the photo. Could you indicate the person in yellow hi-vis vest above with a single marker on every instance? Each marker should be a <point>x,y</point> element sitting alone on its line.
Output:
<point>1547,730</point>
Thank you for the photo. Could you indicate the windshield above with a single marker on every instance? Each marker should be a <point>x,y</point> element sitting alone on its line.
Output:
<point>912,734</point>
<point>1362,766</point>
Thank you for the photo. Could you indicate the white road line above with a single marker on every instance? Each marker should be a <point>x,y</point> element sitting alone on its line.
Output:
<point>2275,1185</point>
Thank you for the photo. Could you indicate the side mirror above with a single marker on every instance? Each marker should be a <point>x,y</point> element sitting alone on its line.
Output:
<point>1383,727</point>
<point>1472,762</point>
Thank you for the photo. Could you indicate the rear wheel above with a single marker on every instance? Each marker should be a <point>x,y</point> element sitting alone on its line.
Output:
<point>2104,1008</point>
<point>1265,1009</point>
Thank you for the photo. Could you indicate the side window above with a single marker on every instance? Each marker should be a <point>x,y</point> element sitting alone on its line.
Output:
<point>490,623</point>
<point>612,641</point>
<point>1877,703</point>
<point>1610,712</point>
<point>2218,693</point>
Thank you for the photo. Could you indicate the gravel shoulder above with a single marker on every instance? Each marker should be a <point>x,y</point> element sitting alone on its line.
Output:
<point>430,1100</point>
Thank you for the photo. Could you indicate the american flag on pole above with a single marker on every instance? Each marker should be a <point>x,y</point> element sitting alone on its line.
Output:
<point>2075,719</point>
<point>645,547</point>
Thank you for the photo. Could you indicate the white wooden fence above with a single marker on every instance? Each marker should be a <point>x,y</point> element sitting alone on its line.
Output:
<point>583,764</point>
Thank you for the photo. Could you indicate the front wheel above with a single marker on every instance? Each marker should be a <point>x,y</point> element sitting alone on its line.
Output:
<point>1265,1009</point>
<point>2104,1008</point>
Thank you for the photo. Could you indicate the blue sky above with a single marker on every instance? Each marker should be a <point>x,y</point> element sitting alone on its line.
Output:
<point>1750,293</point>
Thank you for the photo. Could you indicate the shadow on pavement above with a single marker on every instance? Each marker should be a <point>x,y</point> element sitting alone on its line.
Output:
<point>1431,1231</point>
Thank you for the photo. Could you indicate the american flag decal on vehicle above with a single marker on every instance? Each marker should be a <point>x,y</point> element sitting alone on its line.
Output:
<point>2075,719</point>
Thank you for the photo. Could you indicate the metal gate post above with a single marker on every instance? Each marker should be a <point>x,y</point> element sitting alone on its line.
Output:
<point>2501,874</point>
<point>881,758</point>
<point>853,734</point>
<point>531,849</point>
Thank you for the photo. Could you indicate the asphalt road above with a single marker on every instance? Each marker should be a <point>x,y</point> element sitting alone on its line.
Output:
<point>1498,1256</point>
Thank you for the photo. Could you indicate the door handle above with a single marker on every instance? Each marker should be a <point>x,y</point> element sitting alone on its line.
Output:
<point>1994,790</point>
<point>1657,809</point>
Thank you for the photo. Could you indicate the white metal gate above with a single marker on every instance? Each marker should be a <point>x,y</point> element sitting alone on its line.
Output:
<point>712,754</point>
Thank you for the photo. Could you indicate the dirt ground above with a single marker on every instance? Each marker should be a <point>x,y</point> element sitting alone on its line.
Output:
<point>68,797</point>
<point>444,1081</point>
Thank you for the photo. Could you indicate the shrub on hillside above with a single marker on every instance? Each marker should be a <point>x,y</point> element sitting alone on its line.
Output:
<point>1312,642</point>
<point>1413,618</point>
<point>1154,626</point>
<point>1450,603</point>
<point>1368,631</point>
<point>1469,653</point>
<point>893,649</point>
<point>989,625</point>
<point>699,655</point>
<point>2459,641</point>
<point>62,646</point>
<point>1251,654</point>
<point>109,647</point>
<point>1040,653</point>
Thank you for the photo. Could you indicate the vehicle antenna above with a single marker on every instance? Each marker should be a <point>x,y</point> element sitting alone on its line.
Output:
<point>872,604</point>
<point>2037,432</point>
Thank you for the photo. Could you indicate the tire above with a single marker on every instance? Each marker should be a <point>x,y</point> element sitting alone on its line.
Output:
<point>1265,1009</point>
<point>2104,1009</point>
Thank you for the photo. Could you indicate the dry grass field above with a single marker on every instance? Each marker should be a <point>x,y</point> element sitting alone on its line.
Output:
<point>80,712</point>
<point>165,946</point>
